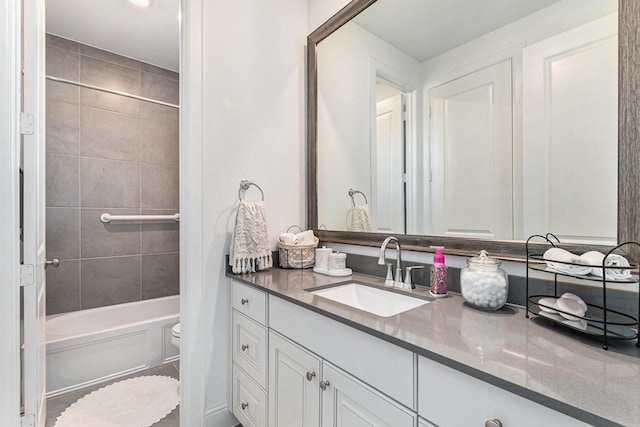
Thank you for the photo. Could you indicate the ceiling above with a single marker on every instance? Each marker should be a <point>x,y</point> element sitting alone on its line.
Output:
<point>149,34</point>
<point>426,28</point>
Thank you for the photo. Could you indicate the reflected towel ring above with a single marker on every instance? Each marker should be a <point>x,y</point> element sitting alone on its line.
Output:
<point>353,192</point>
<point>244,186</point>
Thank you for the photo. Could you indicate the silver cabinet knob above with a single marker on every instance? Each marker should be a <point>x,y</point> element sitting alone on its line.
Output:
<point>244,301</point>
<point>244,347</point>
<point>493,423</point>
<point>55,263</point>
<point>244,406</point>
<point>310,375</point>
<point>324,385</point>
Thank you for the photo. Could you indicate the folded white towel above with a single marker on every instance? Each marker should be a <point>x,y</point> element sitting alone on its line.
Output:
<point>360,218</point>
<point>306,238</point>
<point>595,258</point>
<point>557,257</point>
<point>288,239</point>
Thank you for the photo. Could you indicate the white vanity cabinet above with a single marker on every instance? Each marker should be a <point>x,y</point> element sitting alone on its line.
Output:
<point>294,384</point>
<point>447,397</point>
<point>249,348</point>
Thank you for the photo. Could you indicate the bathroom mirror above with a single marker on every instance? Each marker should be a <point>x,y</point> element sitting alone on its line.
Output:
<point>489,154</point>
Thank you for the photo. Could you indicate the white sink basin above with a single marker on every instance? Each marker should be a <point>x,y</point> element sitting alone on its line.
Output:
<point>374,300</point>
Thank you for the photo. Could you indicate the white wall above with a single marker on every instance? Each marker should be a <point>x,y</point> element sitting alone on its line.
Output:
<point>347,63</point>
<point>252,120</point>
<point>321,10</point>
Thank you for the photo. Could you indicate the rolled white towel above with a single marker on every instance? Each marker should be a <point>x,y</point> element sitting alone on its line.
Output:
<point>306,238</point>
<point>553,255</point>
<point>595,258</point>
<point>288,239</point>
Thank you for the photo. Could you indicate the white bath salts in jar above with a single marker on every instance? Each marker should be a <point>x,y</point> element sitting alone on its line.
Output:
<point>483,283</point>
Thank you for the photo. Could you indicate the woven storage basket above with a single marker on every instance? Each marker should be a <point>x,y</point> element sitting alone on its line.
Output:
<point>297,256</point>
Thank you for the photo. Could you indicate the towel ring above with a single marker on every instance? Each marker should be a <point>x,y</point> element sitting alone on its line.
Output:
<point>244,186</point>
<point>353,192</point>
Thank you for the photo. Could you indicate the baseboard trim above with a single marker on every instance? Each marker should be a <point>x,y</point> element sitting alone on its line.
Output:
<point>219,416</point>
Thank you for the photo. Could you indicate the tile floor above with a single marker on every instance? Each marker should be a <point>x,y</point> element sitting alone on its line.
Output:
<point>56,405</point>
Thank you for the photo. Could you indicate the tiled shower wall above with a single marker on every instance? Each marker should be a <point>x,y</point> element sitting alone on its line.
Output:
<point>109,153</point>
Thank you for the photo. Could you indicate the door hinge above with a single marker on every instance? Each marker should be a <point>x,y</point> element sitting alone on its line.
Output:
<point>26,275</point>
<point>26,124</point>
<point>28,420</point>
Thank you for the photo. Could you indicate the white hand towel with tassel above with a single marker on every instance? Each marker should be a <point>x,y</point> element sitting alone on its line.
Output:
<point>595,258</point>
<point>557,257</point>
<point>250,251</point>
<point>360,218</point>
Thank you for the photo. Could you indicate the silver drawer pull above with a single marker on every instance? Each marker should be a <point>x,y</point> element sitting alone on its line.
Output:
<point>310,375</point>
<point>324,385</point>
<point>244,301</point>
<point>493,423</point>
<point>244,406</point>
<point>244,347</point>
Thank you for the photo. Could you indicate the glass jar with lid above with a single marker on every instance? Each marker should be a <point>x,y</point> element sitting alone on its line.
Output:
<point>483,283</point>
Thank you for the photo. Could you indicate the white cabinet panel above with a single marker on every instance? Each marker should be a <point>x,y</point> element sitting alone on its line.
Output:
<point>471,151</point>
<point>570,134</point>
<point>349,403</point>
<point>249,301</point>
<point>424,423</point>
<point>294,392</point>
<point>249,400</point>
<point>481,401</point>
<point>249,348</point>
<point>380,364</point>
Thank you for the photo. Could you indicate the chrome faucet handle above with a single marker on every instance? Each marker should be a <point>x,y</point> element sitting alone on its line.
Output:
<point>389,280</point>
<point>398,281</point>
<point>408,279</point>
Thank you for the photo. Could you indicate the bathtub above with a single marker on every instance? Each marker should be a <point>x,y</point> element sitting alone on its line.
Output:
<point>91,346</point>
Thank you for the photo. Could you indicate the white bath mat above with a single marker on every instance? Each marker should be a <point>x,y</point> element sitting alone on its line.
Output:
<point>136,402</point>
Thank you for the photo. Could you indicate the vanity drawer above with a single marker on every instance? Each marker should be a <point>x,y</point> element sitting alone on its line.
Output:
<point>249,301</point>
<point>250,347</point>
<point>249,400</point>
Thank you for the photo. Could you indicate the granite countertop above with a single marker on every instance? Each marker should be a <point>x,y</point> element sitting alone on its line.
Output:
<point>564,370</point>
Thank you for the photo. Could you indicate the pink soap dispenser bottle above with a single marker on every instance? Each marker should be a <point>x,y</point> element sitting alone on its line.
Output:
<point>438,274</point>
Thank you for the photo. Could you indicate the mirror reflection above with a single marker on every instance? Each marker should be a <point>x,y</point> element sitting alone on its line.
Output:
<point>494,120</point>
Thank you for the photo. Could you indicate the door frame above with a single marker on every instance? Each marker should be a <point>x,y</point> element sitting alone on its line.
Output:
<point>10,24</point>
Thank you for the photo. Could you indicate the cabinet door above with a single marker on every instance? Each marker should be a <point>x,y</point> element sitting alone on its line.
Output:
<point>346,402</point>
<point>294,392</point>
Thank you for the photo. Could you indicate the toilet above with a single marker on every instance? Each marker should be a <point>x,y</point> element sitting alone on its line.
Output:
<point>175,335</point>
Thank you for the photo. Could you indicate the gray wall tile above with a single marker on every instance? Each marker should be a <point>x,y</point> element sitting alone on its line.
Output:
<point>63,287</point>
<point>162,72</point>
<point>109,101</point>
<point>158,112</point>
<point>109,76</point>
<point>101,239</point>
<point>104,55</point>
<point>63,128</point>
<point>109,135</point>
<point>62,63</point>
<point>159,88</point>
<point>62,43</point>
<point>108,281</point>
<point>159,142</point>
<point>159,187</point>
<point>65,92</point>
<point>63,180</point>
<point>63,233</point>
<point>109,183</point>
<point>161,236</point>
<point>160,275</point>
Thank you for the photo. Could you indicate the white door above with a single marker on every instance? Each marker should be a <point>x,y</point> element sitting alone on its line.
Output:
<point>570,134</point>
<point>34,208</point>
<point>346,402</point>
<point>388,167</point>
<point>471,155</point>
<point>294,391</point>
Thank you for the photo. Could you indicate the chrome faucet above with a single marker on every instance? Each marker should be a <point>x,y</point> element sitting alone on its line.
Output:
<point>382,259</point>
